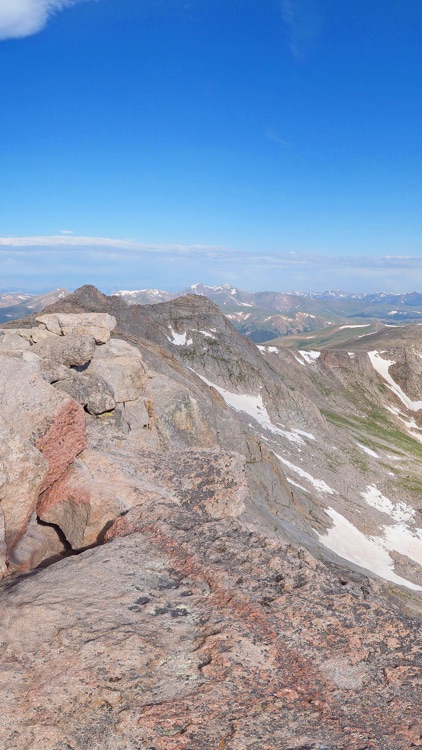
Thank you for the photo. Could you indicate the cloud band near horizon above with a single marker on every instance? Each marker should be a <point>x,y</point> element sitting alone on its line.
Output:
<point>108,245</point>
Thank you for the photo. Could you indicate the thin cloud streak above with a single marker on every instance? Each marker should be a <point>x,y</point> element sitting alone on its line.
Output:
<point>113,249</point>
<point>273,135</point>
<point>75,241</point>
<point>303,21</point>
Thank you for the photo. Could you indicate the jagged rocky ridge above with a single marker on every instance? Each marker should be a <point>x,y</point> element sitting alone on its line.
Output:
<point>206,465</point>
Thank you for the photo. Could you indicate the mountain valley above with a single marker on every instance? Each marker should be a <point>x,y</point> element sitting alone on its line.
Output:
<point>223,540</point>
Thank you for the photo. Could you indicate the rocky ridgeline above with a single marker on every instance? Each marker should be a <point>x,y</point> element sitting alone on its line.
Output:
<point>90,432</point>
<point>148,453</point>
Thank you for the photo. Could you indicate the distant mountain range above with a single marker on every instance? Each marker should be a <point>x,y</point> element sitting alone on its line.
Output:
<point>262,316</point>
<point>16,305</point>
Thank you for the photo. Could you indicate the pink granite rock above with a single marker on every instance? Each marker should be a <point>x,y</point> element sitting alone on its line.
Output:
<point>43,431</point>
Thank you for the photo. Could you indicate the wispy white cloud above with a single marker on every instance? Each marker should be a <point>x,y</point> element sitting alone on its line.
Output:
<point>117,247</point>
<point>274,135</point>
<point>75,241</point>
<point>20,18</point>
<point>303,20</point>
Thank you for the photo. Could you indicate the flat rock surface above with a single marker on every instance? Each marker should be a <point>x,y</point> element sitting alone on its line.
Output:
<point>187,633</point>
<point>99,326</point>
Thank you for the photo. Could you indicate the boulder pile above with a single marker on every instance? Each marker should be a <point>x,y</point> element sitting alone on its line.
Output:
<point>51,377</point>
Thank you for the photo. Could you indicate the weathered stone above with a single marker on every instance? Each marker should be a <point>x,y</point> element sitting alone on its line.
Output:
<point>13,342</point>
<point>43,432</point>
<point>102,482</point>
<point>22,473</point>
<point>120,365</point>
<point>70,350</point>
<point>97,325</point>
<point>32,335</point>
<point>187,633</point>
<point>37,544</point>
<point>53,372</point>
<point>89,390</point>
<point>66,504</point>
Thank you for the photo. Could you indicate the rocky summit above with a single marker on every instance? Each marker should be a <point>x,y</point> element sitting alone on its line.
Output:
<point>205,544</point>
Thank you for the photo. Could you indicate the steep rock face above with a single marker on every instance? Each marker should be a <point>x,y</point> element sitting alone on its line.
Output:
<point>22,472</point>
<point>44,431</point>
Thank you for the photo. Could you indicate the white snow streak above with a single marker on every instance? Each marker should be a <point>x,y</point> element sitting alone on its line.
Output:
<point>308,355</point>
<point>409,422</point>
<point>368,450</point>
<point>305,434</point>
<point>207,334</point>
<point>382,367</point>
<point>319,484</point>
<point>295,484</point>
<point>254,407</point>
<point>272,349</point>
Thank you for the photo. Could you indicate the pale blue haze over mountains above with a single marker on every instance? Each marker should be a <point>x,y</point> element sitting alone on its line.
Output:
<point>155,143</point>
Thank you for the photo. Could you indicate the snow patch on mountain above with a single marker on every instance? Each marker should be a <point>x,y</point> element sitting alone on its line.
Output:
<point>371,553</point>
<point>319,484</point>
<point>409,422</point>
<point>362,325</point>
<point>254,407</point>
<point>308,355</point>
<point>295,484</point>
<point>271,349</point>
<point>179,339</point>
<point>382,367</point>
<point>305,434</point>
<point>367,450</point>
<point>399,512</point>
<point>208,334</point>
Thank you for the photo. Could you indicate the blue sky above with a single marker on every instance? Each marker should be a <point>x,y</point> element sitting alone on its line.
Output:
<point>273,144</point>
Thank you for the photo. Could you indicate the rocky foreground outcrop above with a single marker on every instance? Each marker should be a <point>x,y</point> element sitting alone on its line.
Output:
<point>90,431</point>
<point>148,454</point>
<point>188,633</point>
<point>50,375</point>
